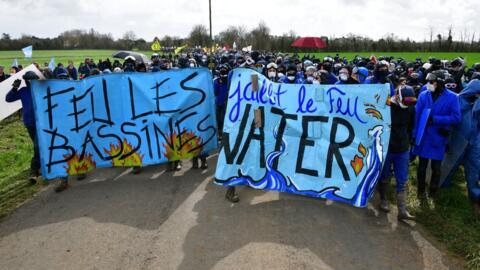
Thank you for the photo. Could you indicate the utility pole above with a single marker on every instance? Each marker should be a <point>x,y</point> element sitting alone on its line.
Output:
<point>210,15</point>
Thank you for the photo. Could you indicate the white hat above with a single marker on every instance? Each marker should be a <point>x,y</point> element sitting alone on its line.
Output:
<point>129,57</point>
<point>427,66</point>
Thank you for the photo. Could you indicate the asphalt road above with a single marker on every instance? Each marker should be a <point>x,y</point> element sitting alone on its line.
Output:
<point>160,220</point>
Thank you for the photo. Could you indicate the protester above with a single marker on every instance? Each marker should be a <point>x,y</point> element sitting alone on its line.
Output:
<point>381,75</point>
<point>220,88</point>
<point>3,75</point>
<point>310,75</point>
<point>292,76</point>
<point>72,71</point>
<point>271,72</point>
<point>129,64</point>
<point>403,119</point>
<point>13,70</point>
<point>327,67</point>
<point>84,69</point>
<point>345,77</point>
<point>24,95</point>
<point>360,74</point>
<point>469,130</point>
<point>442,108</point>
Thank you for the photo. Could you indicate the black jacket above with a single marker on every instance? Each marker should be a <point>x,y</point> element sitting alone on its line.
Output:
<point>403,121</point>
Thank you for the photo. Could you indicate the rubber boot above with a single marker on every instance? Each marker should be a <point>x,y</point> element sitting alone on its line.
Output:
<point>402,207</point>
<point>231,195</point>
<point>178,165</point>
<point>195,163</point>
<point>384,205</point>
<point>62,185</point>
<point>204,163</point>
<point>171,166</point>
<point>136,169</point>
<point>476,208</point>
<point>32,179</point>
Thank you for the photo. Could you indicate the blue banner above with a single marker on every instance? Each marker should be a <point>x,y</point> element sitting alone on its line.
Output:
<point>123,119</point>
<point>325,141</point>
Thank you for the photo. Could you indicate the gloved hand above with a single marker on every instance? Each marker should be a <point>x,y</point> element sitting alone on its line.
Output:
<point>430,120</point>
<point>16,83</point>
<point>444,132</point>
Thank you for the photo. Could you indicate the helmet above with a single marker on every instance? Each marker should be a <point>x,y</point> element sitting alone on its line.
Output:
<point>272,65</point>
<point>437,75</point>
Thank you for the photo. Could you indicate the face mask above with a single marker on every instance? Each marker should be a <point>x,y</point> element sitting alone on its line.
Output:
<point>310,79</point>
<point>280,74</point>
<point>430,87</point>
<point>192,65</point>
<point>291,78</point>
<point>272,74</point>
<point>382,73</point>
<point>343,77</point>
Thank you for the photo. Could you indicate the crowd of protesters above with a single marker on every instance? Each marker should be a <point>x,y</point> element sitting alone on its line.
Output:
<point>448,90</point>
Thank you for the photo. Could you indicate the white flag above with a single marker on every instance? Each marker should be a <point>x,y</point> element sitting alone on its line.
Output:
<point>27,51</point>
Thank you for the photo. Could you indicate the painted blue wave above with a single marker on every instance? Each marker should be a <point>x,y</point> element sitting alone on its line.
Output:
<point>275,180</point>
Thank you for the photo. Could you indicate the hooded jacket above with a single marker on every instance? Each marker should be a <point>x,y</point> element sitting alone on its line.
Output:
<point>445,113</point>
<point>24,94</point>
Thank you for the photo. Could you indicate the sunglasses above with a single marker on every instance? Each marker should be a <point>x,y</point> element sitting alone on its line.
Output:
<point>451,85</point>
<point>431,81</point>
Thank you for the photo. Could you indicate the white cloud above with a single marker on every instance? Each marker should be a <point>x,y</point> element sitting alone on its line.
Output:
<point>374,18</point>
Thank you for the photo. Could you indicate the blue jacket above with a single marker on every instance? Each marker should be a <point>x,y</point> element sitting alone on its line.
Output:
<point>470,107</point>
<point>221,91</point>
<point>73,73</point>
<point>445,113</point>
<point>4,77</point>
<point>332,79</point>
<point>23,94</point>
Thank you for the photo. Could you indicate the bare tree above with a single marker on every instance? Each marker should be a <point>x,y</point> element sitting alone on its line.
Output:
<point>199,36</point>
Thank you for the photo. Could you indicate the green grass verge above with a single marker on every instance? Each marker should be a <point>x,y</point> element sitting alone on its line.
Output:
<point>449,217</point>
<point>15,154</point>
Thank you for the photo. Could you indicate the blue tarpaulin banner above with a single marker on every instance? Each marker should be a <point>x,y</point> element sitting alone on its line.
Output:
<point>123,119</point>
<point>324,141</point>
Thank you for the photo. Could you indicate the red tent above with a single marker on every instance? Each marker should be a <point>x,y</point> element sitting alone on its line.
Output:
<point>310,42</point>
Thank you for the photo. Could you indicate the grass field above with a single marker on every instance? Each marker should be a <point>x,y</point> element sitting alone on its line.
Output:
<point>77,56</point>
<point>449,217</point>
<point>61,56</point>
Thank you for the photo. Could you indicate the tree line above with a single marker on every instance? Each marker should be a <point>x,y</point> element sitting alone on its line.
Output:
<point>259,37</point>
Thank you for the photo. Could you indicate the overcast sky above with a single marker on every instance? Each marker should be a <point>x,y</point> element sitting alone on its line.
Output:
<point>405,18</point>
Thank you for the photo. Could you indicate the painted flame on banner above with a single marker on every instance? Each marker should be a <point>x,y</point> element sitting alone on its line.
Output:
<point>80,166</point>
<point>133,159</point>
<point>187,145</point>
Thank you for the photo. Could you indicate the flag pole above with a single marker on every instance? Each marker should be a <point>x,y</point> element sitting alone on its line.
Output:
<point>210,18</point>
